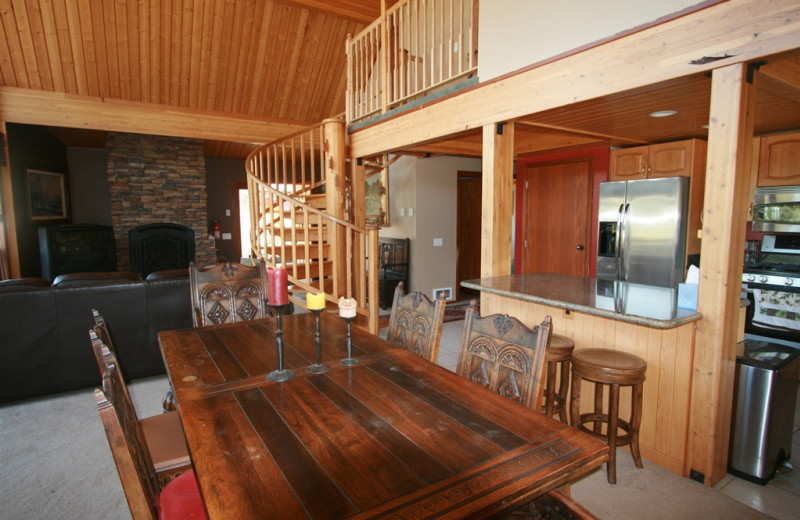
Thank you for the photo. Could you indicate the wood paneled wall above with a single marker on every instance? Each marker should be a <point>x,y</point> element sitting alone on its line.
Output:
<point>668,353</point>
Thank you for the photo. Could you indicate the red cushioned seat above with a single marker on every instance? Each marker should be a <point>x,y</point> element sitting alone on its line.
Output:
<point>180,499</point>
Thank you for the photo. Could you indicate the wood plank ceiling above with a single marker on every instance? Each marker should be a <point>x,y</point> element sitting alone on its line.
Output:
<point>284,61</point>
<point>278,60</point>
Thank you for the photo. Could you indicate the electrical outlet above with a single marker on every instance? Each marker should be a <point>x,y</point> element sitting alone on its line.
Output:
<point>697,476</point>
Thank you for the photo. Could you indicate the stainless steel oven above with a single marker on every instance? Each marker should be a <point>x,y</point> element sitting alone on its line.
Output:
<point>771,281</point>
<point>777,209</point>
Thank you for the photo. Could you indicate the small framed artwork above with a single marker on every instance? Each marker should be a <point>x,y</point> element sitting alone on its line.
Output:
<point>377,198</point>
<point>47,195</point>
<point>446,291</point>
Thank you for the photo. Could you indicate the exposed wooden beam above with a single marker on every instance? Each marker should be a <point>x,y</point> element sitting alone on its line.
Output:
<point>679,47</point>
<point>584,133</point>
<point>18,105</point>
<point>358,10</point>
<point>786,71</point>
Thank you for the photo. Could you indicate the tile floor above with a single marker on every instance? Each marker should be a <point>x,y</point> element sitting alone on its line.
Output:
<point>655,493</point>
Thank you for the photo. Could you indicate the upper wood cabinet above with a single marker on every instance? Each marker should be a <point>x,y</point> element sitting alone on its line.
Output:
<point>779,160</point>
<point>653,161</point>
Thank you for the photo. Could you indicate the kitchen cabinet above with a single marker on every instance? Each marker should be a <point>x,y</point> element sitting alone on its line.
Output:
<point>658,160</point>
<point>779,160</point>
<point>678,159</point>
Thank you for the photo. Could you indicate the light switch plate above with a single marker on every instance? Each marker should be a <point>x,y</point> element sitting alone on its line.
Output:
<point>437,242</point>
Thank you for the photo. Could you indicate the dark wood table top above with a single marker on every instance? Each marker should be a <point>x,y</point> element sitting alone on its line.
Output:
<point>393,436</point>
<point>216,357</point>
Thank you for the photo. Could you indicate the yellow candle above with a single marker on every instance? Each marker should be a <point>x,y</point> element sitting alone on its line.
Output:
<point>315,301</point>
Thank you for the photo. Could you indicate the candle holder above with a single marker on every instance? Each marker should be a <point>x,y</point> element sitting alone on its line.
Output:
<point>349,360</point>
<point>318,367</point>
<point>280,374</point>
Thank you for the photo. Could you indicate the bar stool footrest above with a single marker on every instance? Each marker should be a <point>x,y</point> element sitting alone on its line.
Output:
<point>622,440</point>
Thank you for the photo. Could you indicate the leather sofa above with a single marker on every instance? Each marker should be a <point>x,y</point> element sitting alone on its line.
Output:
<point>44,339</point>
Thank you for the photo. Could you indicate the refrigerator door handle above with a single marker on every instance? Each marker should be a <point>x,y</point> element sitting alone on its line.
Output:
<point>623,240</point>
<point>618,244</point>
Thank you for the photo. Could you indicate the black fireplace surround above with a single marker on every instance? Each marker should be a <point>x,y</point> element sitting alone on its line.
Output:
<point>160,246</point>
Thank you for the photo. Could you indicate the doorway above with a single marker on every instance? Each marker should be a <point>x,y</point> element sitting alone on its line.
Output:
<point>468,232</point>
<point>556,217</point>
<point>241,218</point>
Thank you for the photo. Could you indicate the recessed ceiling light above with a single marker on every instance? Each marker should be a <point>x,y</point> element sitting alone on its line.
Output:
<point>663,113</point>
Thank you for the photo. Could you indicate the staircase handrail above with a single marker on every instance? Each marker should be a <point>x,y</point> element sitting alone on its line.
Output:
<point>360,280</point>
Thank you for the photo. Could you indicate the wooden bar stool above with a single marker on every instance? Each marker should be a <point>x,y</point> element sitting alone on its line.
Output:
<point>615,369</point>
<point>560,352</point>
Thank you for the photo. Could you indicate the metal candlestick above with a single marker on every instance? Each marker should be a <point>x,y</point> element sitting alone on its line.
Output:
<point>280,374</point>
<point>318,367</point>
<point>349,360</point>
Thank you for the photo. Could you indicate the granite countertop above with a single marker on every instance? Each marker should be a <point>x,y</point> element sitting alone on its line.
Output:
<point>646,305</point>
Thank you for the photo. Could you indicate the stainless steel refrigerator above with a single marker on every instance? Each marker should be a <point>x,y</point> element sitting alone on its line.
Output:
<point>641,236</point>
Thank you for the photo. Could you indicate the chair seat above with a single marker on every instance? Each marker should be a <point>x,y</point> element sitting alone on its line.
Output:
<point>181,499</point>
<point>165,440</point>
<point>609,366</point>
<point>561,348</point>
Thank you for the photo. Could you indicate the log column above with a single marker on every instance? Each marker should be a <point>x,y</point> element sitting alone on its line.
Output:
<point>730,137</point>
<point>497,199</point>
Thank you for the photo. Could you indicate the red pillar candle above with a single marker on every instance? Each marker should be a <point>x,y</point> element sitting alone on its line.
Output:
<point>278,286</point>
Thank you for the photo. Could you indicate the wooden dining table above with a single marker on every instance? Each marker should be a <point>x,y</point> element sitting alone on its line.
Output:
<point>392,436</point>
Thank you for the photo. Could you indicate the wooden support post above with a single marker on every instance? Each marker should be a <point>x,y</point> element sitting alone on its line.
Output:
<point>497,199</point>
<point>372,282</point>
<point>334,170</point>
<point>8,222</point>
<point>730,138</point>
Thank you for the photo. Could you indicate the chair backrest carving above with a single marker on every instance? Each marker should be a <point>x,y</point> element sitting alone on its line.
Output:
<point>503,355</point>
<point>126,439</point>
<point>228,292</point>
<point>416,323</point>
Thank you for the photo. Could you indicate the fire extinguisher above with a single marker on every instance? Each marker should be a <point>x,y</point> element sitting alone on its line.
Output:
<point>216,230</point>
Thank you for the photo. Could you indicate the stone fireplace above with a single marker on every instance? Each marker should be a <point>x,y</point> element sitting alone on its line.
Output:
<point>155,179</point>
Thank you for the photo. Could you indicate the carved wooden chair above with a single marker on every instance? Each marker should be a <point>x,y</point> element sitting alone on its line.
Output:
<point>228,292</point>
<point>416,323</point>
<point>147,497</point>
<point>163,433</point>
<point>503,355</point>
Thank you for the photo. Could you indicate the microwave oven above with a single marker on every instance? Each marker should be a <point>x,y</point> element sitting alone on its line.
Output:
<point>777,209</point>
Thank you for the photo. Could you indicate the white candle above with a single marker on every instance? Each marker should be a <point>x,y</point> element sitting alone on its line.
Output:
<point>347,307</point>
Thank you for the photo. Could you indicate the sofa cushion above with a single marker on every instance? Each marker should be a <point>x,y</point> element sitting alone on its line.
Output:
<point>29,353</point>
<point>15,284</point>
<point>124,308</point>
<point>82,279</point>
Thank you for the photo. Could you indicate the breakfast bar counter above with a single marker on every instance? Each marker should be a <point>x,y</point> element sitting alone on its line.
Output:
<point>646,305</point>
<point>638,319</point>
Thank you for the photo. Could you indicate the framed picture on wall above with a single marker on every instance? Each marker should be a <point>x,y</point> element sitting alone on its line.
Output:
<point>47,196</point>
<point>377,198</point>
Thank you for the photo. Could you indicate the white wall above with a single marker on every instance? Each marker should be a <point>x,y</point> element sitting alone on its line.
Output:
<point>516,33</point>
<point>429,188</point>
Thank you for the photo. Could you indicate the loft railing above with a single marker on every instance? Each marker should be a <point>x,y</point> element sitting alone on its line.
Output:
<point>429,44</point>
<point>296,220</point>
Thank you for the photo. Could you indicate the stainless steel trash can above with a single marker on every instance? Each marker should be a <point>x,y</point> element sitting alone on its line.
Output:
<point>765,394</point>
